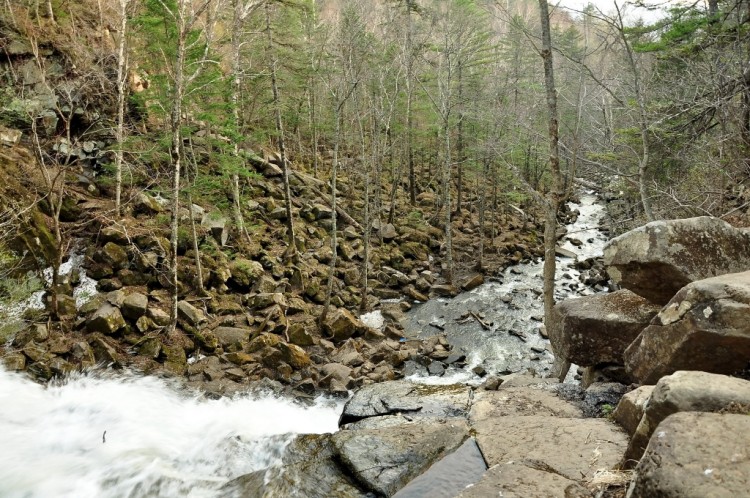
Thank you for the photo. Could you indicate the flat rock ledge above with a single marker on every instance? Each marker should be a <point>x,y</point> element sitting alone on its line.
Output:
<point>395,434</point>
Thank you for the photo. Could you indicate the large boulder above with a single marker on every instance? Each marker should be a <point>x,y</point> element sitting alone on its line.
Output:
<point>695,455</point>
<point>658,259</point>
<point>704,327</point>
<point>597,329</point>
<point>384,459</point>
<point>685,391</point>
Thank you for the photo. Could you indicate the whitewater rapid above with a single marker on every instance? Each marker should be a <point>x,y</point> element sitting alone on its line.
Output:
<point>125,435</point>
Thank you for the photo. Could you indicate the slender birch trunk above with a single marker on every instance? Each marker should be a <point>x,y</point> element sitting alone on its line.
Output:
<point>122,75</point>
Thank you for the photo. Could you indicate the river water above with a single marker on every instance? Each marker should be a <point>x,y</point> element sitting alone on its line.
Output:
<point>511,307</point>
<point>104,435</point>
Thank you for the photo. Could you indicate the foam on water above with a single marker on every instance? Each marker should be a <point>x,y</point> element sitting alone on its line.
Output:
<point>159,441</point>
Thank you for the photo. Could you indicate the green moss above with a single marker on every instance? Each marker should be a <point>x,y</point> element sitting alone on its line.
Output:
<point>37,238</point>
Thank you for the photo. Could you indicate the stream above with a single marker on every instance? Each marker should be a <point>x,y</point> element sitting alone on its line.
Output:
<point>511,307</point>
<point>104,435</point>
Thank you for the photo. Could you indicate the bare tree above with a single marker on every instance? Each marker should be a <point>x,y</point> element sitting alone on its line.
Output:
<point>185,15</point>
<point>242,11</point>
<point>554,195</point>
<point>291,242</point>
<point>122,76</point>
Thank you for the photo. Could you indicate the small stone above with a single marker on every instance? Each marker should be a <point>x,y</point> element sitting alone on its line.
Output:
<point>479,370</point>
<point>107,320</point>
<point>82,352</point>
<point>240,358</point>
<point>134,306</point>
<point>436,368</point>
<point>14,362</point>
<point>104,353</point>
<point>473,282</point>
<point>492,383</point>
<point>159,317</point>
<point>144,203</point>
<point>189,313</point>
<point>144,324</point>
<point>235,374</point>
<point>150,348</point>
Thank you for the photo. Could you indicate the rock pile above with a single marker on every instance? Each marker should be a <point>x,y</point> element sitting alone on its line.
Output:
<point>686,293</point>
<point>680,323</point>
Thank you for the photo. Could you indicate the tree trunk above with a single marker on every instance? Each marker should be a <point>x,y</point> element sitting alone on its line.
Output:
<point>176,151</point>
<point>292,244</point>
<point>366,214</point>
<point>482,207</point>
<point>334,241</point>
<point>552,199</point>
<point>409,103</point>
<point>237,23</point>
<point>122,75</point>
<point>460,143</point>
<point>643,161</point>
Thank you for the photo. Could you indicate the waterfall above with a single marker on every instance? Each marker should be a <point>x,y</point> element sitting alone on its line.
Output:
<point>106,435</point>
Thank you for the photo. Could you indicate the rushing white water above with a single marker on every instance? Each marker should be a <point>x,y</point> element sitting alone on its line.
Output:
<point>159,441</point>
<point>511,307</point>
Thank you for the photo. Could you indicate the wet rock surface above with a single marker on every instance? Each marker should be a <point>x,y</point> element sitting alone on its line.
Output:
<point>308,470</point>
<point>385,459</point>
<point>449,476</point>
<point>518,480</point>
<point>408,398</point>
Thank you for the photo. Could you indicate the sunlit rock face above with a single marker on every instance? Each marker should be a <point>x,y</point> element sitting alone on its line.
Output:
<point>658,259</point>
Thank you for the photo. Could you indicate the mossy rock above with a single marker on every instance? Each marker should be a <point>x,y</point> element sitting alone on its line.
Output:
<point>36,237</point>
<point>245,272</point>
<point>115,255</point>
<point>175,359</point>
<point>415,250</point>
